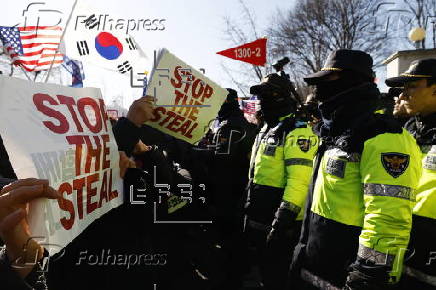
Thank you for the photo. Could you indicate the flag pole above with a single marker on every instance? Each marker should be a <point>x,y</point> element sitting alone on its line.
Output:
<point>25,73</point>
<point>11,64</point>
<point>62,37</point>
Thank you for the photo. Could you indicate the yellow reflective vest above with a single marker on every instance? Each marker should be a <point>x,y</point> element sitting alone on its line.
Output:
<point>374,190</point>
<point>426,191</point>
<point>282,166</point>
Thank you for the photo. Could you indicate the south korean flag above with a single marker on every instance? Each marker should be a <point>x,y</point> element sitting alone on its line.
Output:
<point>110,49</point>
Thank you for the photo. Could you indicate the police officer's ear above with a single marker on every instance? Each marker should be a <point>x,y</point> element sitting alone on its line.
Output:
<point>432,84</point>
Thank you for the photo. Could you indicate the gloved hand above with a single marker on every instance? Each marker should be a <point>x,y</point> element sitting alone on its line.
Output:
<point>277,235</point>
<point>364,275</point>
<point>283,226</point>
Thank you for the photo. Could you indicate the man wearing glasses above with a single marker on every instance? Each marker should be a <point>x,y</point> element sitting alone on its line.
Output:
<point>419,99</point>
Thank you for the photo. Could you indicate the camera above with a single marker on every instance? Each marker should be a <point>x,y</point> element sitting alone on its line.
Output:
<point>278,66</point>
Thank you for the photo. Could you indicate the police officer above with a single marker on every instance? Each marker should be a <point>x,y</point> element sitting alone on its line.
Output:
<point>399,111</point>
<point>358,215</point>
<point>419,99</point>
<point>281,165</point>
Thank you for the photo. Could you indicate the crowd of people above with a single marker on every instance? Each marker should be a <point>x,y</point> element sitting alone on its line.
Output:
<point>338,192</point>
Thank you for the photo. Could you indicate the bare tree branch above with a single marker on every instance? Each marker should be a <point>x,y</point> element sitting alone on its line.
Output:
<point>238,84</point>
<point>313,28</point>
<point>239,33</point>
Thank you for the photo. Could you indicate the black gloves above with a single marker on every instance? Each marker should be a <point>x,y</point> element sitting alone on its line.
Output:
<point>283,226</point>
<point>364,274</point>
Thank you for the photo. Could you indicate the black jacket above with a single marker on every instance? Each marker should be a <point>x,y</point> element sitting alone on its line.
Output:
<point>126,230</point>
<point>6,169</point>
<point>423,234</point>
<point>9,279</point>
<point>230,163</point>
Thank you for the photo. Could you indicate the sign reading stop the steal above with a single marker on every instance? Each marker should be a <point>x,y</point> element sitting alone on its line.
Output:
<point>61,134</point>
<point>187,100</point>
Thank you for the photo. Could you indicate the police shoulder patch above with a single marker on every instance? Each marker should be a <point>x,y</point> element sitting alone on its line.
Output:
<point>336,167</point>
<point>270,150</point>
<point>304,144</point>
<point>429,162</point>
<point>395,163</point>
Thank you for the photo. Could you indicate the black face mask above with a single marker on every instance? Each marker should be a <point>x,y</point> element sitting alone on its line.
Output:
<point>327,89</point>
<point>272,111</point>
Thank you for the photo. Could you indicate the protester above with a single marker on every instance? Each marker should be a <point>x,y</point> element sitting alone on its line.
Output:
<point>6,170</point>
<point>225,151</point>
<point>175,239</point>
<point>358,215</point>
<point>21,261</point>
<point>419,100</point>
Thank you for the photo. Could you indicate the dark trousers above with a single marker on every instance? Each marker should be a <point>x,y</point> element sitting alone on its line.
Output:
<point>273,258</point>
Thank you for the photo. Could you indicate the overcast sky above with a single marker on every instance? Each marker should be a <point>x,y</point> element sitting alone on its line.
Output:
<point>194,29</point>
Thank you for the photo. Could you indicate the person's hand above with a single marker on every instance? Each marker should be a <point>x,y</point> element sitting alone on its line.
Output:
<point>367,275</point>
<point>14,228</point>
<point>281,236</point>
<point>141,110</point>
<point>125,163</point>
<point>272,236</point>
<point>140,147</point>
<point>283,227</point>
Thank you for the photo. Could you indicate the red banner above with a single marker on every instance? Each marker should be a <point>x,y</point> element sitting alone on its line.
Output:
<point>253,52</point>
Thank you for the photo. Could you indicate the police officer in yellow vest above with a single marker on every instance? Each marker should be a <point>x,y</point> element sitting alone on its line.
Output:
<point>359,210</point>
<point>281,166</point>
<point>419,97</point>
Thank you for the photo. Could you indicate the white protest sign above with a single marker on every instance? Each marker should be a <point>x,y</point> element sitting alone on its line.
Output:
<point>186,99</point>
<point>61,134</point>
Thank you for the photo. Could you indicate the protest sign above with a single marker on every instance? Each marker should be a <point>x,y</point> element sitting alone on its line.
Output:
<point>186,99</point>
<point>61,134</point>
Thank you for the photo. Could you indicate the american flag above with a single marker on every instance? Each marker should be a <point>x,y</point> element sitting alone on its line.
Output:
<point>249,106</point>
<point>33,48</point>
<point>145,84</point>
<point>75,68</point>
